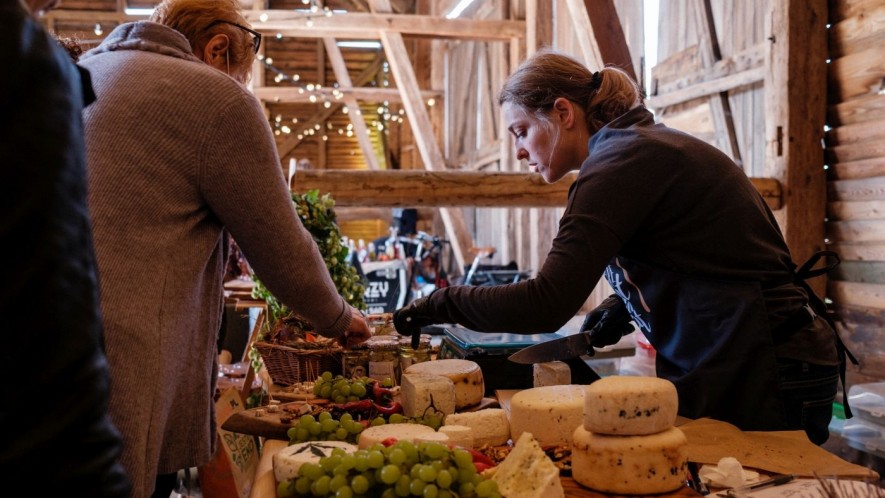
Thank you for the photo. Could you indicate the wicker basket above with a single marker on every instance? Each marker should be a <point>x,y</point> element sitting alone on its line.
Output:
<point>288,366</point>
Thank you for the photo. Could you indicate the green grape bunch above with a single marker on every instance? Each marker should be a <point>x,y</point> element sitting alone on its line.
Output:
<point>318,217</point>
<point>403,468</point>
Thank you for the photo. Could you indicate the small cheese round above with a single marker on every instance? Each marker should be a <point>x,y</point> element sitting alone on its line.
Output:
<point>459,435</point>
<point>489,426</point>
<point>631,465</point>
<point>421,392</point>
<point>630,405</point>
<point>433,437</point>
<point>402,432</point>
<point>465,374</point>
<point>289,460</point>
<point>550,413</point>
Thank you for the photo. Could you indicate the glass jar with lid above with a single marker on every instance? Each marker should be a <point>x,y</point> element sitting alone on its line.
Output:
<point>408,356</point>
<point>355,362</point>
<point>384,358</point>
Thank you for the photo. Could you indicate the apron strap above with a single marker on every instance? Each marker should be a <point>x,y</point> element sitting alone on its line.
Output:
<point>817,304</point>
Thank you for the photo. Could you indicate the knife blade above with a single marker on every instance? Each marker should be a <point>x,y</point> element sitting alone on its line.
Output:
<point>571,346</point>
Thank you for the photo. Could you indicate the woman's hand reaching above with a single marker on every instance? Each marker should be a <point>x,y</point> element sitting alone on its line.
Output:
<point>357,333</point>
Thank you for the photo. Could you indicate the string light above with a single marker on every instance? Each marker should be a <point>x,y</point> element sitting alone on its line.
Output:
<point>98,30</point>
<point>317,95</point>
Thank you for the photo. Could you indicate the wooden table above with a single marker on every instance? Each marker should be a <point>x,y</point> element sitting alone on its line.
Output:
<point>573,489</point>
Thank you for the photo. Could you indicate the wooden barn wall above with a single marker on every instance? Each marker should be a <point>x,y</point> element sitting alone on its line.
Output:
<point>855,156</point>
<point>740,30</point>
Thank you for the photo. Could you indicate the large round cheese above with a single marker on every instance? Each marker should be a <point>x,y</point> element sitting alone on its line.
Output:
<point>289,460</point>
<point>465,374</point>
<point>633,465</point>
<point>406,432</point>
<point>630,405</point>
<point>550,413</point>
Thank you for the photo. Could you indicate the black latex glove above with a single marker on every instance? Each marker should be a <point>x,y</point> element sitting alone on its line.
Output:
<point>608,322</point>
<point>409,319</point>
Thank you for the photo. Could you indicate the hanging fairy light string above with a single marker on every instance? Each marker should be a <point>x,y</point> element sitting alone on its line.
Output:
<point>327,96</point>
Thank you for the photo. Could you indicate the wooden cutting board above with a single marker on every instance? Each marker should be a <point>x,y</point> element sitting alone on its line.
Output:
<point>259,422</point>
<point>275,425</point>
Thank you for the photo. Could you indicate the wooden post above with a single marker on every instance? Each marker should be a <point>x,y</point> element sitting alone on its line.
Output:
<point>795,105</point>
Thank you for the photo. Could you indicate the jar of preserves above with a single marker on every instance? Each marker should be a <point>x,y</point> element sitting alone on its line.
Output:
<point>408,356</point>
<point>384,358</point>
<point>355,362</point>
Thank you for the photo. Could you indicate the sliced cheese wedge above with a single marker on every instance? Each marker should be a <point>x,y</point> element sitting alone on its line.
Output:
<point>528,472</point>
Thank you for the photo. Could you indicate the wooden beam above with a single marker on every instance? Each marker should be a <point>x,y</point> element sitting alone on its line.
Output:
<point>858,294</point>
<point>707,88</point>
<point>321,80</point>
<point>723,120</point>
<point>353,213</point>
<point>609,35</point>
<point>401,67</point>
<point>416,188</point>
<point>356,116</point>
<point>795,106</point>
<point>583,32</point>
<point>295,95</point>
<point>90,16</point>
<point>367,75</point>
<point>370,26</point>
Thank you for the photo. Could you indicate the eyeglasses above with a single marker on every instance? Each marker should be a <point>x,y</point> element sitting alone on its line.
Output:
<point>256,36</point>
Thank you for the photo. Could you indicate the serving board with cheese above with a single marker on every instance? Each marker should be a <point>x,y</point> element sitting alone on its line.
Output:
<point>275,425</point>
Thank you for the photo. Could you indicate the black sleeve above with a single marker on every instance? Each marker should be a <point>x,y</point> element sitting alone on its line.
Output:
<point>55,397</point>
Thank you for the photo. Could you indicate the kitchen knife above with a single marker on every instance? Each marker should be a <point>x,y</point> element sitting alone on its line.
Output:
<point>571,346</point>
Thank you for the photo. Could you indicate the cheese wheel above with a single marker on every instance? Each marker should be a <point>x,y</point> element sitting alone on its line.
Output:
<point>630,405</point>
<point>552,373</point>
<point>490,426</point>
<point>551,413</point>
<point>402,432</point>
<point>465,374</point>
<point>459,435</point>
<point>421,391</point>
<point>287,461</point>
<point>433,437</point>
<point>528,472</point>
<point>632,465</point>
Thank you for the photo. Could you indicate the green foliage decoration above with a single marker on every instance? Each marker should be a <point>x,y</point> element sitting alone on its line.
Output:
<point>318,216</point>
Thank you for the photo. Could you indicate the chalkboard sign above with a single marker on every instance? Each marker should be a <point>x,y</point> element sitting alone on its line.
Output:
<point>387,286</point>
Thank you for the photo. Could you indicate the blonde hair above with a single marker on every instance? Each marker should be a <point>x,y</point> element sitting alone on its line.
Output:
<point>548,75</point>
<point>193,18</point>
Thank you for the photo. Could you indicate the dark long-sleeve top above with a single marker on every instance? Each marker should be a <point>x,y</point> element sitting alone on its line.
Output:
<point>58,437</point>
<point>658,196</point>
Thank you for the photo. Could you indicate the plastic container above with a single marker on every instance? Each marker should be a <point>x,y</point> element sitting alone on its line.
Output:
<point>867,402</point>
<point>865,436</point>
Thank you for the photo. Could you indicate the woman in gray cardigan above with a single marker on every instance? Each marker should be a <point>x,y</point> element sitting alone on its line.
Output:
<point>179,152</point>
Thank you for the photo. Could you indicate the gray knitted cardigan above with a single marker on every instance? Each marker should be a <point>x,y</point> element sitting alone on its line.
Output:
<point>177,152</point>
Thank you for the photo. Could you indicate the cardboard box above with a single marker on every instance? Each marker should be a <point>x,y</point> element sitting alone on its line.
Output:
<point>231,471</point>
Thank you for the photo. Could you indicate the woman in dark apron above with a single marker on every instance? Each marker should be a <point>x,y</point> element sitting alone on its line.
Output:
<point>693,252</point>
